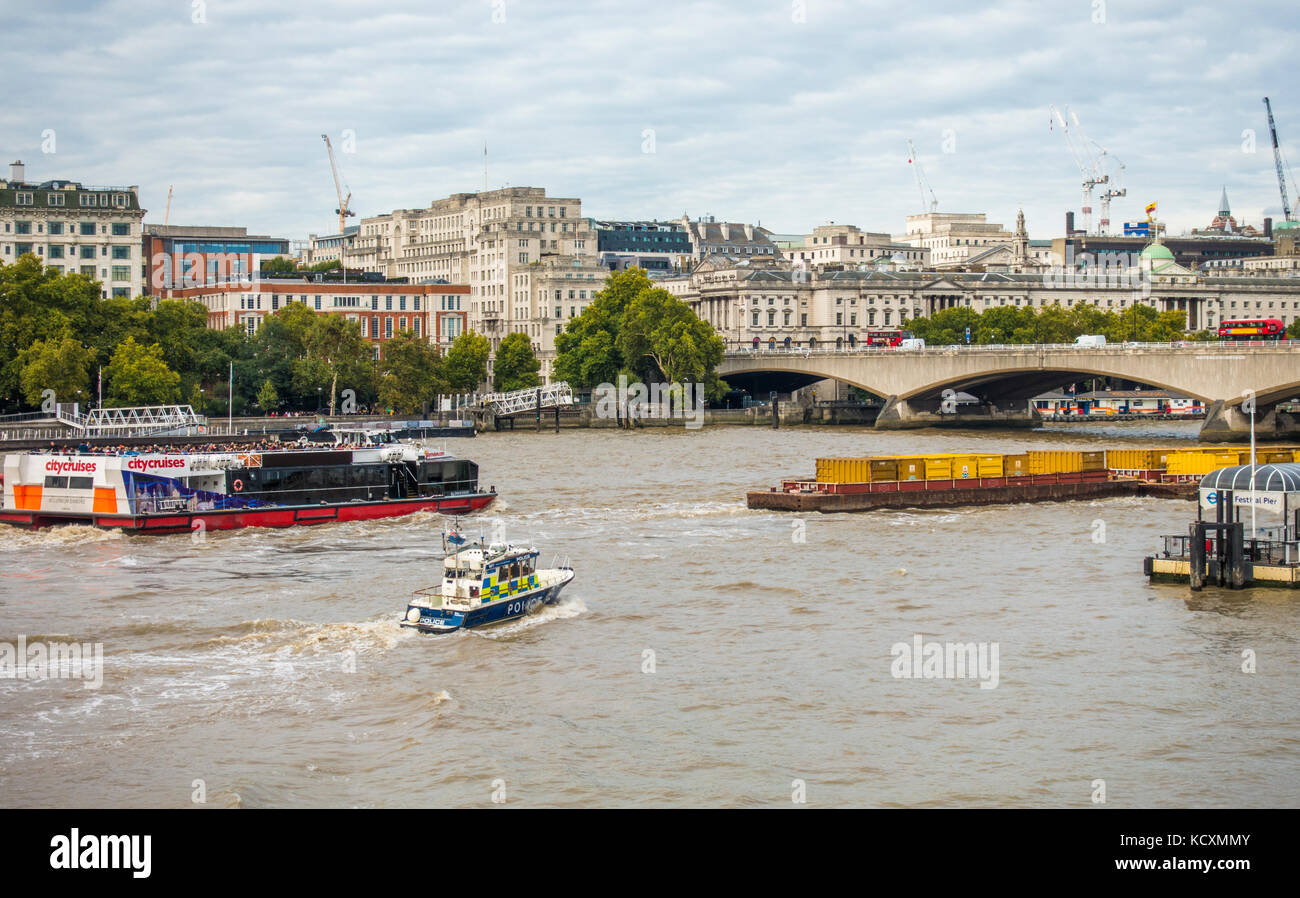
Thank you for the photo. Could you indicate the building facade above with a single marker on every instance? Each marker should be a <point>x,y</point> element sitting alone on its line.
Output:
<point>655,246</point>
<point>779,305</point>
<point>953,237</point>
<point>848,245</point>
<point>74,228</point>
<point>435,312</point>
<point>187,256</point>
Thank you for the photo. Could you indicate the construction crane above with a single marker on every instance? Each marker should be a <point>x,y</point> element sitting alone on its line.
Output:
<point>167,213</point>
<point>1282,167</point>
<point>922,182</point>
<point>1113,185</point>
<point>1089,169</point>
<point>342,211</point>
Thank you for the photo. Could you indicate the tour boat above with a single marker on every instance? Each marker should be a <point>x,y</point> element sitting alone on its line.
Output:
<point>485,584</point>
<point>172,492</point>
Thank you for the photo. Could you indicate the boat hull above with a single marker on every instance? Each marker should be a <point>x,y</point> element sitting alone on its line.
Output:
<point>442,620</point>
<point>237,518</point>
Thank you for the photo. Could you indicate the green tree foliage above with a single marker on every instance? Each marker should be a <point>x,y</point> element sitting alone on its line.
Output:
<point>411,374</point>
<point>1051,324</point>
<point>137,375</point>
<point>335,353</point>
<point>465,366</point>
<point>278,266</point>
<point>267,398</point>
<point>516,364</point>
<point>632,326</point>
<point>60,364</point>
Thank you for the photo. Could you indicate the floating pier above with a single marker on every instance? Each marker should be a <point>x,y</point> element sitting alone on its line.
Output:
<point>1252,540</point>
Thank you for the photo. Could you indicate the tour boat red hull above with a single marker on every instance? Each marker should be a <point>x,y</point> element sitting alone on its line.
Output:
<point>235,518</point>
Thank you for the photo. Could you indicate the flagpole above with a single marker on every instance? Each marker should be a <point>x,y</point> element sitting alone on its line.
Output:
<point>230,399</point>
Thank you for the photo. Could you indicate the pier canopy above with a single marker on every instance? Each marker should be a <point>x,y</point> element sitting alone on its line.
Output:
<point>1282,477</point>
<point>1273,489</point>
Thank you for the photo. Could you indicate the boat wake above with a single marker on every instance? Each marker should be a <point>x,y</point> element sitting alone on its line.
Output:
<point>561,610</point>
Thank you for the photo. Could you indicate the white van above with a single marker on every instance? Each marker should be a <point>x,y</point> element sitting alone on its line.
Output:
<point>1090,340</point>
<point>911,343</point>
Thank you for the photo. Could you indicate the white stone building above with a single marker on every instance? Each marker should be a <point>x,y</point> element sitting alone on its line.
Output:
<point>74,227</point>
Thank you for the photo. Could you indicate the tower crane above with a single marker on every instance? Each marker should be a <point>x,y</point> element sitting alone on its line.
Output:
<point>167,213</point>
<point>343,211</point>
<point>1280,163</point>
<point>922,182</point>
<point>1088,167</point>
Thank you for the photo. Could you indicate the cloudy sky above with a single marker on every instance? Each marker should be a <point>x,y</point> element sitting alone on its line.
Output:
<point>787,112</point>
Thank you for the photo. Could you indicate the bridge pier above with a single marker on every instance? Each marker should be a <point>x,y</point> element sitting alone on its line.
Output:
<point>1229,424</point>
<point>909,414</point>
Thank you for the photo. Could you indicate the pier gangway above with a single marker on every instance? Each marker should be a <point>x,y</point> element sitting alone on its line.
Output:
<point>556,395</point>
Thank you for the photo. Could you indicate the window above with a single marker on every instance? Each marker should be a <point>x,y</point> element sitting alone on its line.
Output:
<point>54,199</point>
<point>121,272</point>
<point>88,252</point>
<point>388,307</point>
<point>22,227</point>
<point>401,304</point>
<point>122,252</point>
<point>22,199</point>
<point>87,229</point>
<point>55,251</point>
<point>86,199</point>
<point>388,327</point>
<point>415,300</point>
<point>56,227</point>
<point>121,229</point>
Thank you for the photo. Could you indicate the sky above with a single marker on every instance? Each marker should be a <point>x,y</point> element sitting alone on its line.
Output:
<point>788,113</point>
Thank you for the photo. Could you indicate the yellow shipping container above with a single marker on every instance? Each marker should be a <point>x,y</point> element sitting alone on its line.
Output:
<point>989,465</point>
<point>911,468</point>
<point>883,469</point>
<point>938,467</point>
<point>965,467</point>
<point>1055,462</point>
<point>1135,459</point>
<point>1015,465</point>
<point>1092,461</point>
<point>1201,463</point>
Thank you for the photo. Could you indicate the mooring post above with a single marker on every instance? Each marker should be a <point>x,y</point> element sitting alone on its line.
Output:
<point>1236,556</point>
<point>538,394</point>
<point>557,418</point>
<point>1196,555</point>
<point>776,411</point>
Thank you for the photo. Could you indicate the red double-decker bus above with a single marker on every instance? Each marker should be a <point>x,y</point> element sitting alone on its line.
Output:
<point>1270,329</point>
<point>888,337</point>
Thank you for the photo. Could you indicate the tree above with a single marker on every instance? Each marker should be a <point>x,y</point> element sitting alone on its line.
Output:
<point>60,364</point>
<point>334,349</point>
<point>662,338</point>
<point>137,375</point>
<point>587,352</point>
<point>465,366</point>
<point>278,265</point>
<point>412,374</point>
<point>516,364</point>
<point>267,398</point>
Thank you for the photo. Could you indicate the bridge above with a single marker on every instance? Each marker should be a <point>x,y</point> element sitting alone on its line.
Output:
<point>919,385</point>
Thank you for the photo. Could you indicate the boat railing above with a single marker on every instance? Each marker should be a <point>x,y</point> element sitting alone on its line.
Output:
<point>560,563</point>
<point>1254,549</point>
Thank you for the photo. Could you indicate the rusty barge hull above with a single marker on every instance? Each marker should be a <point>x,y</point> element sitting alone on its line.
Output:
<point>956,493</point>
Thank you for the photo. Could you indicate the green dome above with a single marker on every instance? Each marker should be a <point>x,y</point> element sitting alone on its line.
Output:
<point>1156,251</point>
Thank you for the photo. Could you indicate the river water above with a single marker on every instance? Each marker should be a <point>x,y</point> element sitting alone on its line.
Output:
<point>705,655</point>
